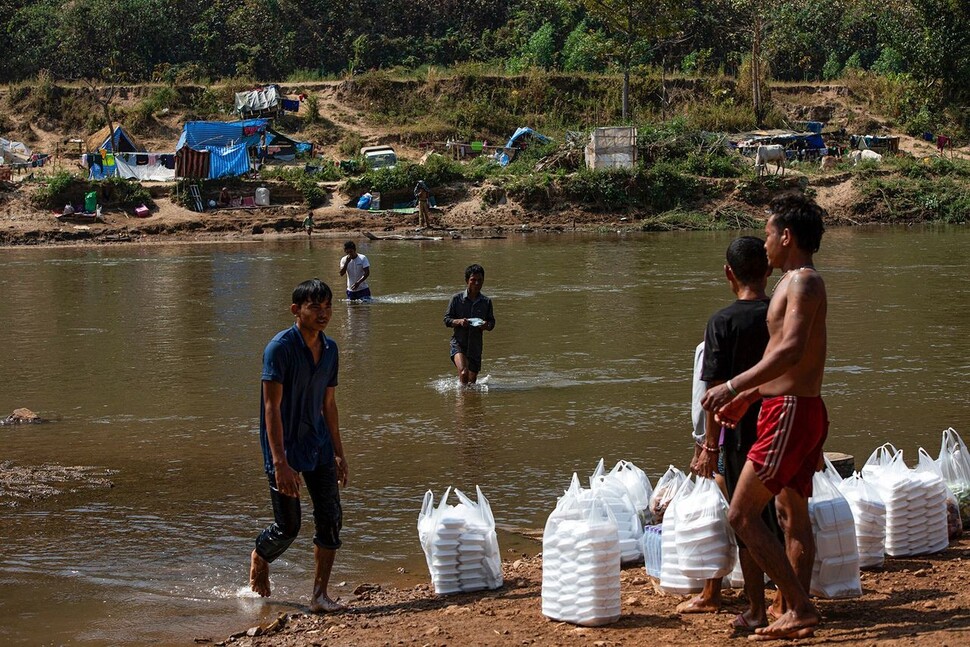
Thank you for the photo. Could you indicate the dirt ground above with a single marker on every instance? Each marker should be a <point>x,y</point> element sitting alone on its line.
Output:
<point>919,601</point>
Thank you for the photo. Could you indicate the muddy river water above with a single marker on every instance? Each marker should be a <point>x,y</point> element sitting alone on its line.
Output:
<point>148,359</point>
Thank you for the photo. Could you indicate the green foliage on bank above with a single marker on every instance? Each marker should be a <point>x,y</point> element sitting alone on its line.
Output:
<point>936,190</point>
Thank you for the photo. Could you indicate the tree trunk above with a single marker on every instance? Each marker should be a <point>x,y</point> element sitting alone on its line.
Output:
<point>626,93</point>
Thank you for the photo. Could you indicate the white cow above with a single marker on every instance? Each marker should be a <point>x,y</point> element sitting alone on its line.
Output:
<point>770,153</point>
<point>862,156</point>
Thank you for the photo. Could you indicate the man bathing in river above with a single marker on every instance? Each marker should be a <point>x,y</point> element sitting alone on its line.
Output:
<point>300,437</point>
<point>793,422</point>
<point>734,341</point>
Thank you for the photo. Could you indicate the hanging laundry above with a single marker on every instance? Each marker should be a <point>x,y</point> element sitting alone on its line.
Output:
<point>291,105</point>
<point>141,160</point>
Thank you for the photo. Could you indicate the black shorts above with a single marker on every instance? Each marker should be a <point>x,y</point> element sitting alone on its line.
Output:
<point>474,363</point>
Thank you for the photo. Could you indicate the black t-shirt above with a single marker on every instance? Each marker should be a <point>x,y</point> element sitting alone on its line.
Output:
<point>734,341</point>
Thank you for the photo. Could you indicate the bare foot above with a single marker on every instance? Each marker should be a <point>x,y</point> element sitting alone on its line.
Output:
<point>789,626</point>
<point>259,575</point>
<point>699,604</point>
<point>324,604</point>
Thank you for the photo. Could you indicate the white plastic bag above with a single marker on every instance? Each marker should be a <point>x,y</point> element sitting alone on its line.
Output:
<point>663,494</point>
<point>672,578</point>
<point>835,573</point>
<point>915,508</point>
<point>954,526</point>
<point>581,561</point>
<point>706,547</point>
<point>879,460</point>
<point>869,515</point>
<point>460,544</point>
<point>954,463</point>
<point>637,486</point>
<point>612,491</point>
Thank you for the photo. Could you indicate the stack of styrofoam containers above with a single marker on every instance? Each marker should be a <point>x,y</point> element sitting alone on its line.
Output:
<point>581,561</point>
<point>835,573</point>
<point>915,505</point>
<point>460,544</point>
<point>652,547</point>
<point>613,493</point>
<point>869,514</point>
<point>672,578</point>
<point>637,486</point>
<point>706,546</point>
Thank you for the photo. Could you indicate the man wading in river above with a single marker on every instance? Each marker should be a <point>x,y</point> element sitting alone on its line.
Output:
<point>300,436</point>
<point>793,422</point>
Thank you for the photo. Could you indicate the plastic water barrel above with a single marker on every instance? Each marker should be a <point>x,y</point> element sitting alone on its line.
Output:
<point>262,196</point>
<point>90,201</point>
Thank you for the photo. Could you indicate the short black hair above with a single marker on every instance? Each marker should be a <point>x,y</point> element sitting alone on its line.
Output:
<point>314,291</point>
<point>350,245</point>
<point>474,268</point>
<point>802,216</point>
<point>748,260</point>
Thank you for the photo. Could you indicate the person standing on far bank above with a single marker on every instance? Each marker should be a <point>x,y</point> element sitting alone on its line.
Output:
<point>469,313</point>
<point>300,437</point>
<point>793,422</point>
<point>357,268</point>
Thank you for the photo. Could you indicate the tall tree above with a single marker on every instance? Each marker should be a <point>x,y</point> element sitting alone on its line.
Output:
<point>638,27</point>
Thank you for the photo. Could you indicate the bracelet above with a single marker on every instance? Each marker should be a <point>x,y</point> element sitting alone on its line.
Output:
<point>731,389</point>
<point>707,448</point>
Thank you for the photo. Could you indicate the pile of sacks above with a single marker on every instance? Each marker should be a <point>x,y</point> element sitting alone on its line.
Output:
<point>916,503</point>
<point>835,573</point>
<point>581,560</point>
<point>460,544</point>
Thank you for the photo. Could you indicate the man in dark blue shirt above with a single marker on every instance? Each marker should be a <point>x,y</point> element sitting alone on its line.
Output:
<point>300,437</point>
<point>469,313</point>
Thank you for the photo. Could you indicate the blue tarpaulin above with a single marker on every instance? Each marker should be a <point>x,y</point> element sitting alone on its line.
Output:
<point>228,143</point>
<point>519,132</point>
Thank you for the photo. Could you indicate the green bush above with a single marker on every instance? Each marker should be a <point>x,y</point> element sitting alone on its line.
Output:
<point>438,171</point>
<point>54,192</point>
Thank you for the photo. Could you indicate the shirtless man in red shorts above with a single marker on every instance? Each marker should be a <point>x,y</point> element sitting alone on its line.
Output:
<point>793,423</point>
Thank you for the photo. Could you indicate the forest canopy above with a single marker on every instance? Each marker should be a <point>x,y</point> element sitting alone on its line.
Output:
<point>176,41</point>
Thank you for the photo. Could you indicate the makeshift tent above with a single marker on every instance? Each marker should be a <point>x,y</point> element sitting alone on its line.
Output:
<point>14,152</point>
<point>808,143</point>
<point>122,142</point>
<point>226,144</point>
<point>255,103</point>
<point>280,147</point>
<point>522,136</point>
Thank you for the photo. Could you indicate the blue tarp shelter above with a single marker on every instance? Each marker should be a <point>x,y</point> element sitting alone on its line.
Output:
<point>226,143</point>
<point>523,131</point>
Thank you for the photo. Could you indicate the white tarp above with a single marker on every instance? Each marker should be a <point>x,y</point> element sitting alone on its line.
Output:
<point>146,172</point>
<point>13,151</point>
<point>258,100</point>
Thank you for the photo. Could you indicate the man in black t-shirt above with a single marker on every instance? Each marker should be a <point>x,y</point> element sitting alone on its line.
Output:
<point>734,341</point>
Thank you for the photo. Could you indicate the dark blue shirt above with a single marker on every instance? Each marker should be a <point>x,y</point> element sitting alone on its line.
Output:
<point>306,437</point>
<point>462,307</point>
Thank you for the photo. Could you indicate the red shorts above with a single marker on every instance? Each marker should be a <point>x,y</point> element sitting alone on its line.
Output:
<point>791,432</point>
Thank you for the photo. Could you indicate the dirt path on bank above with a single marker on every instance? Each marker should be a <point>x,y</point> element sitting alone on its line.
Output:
<point>920,602</point>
